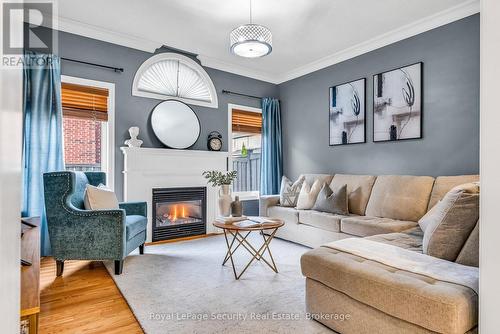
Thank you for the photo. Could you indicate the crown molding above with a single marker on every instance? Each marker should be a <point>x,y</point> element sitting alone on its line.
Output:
<point>237,69</point>
<point>139,43</point>
<point>428,23</point>
<point>106,35</point>
<point>452,14</point>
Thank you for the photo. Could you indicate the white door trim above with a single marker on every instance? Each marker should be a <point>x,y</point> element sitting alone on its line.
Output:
<point>489,230</point>
<point>230,106</point>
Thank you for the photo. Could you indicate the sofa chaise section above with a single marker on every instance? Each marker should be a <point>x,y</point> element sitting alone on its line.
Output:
<point>381,296</point>
<point>383,299</point>
<point>360,318</point>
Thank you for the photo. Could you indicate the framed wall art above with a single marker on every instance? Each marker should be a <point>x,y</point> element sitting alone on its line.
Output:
<point>347,113</point>
<point>397,104</point>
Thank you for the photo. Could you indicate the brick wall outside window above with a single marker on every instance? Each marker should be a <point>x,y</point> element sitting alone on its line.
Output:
<point>82,142</point>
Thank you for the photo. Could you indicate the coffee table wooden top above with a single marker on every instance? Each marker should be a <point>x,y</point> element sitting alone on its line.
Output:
<point>276,223</point>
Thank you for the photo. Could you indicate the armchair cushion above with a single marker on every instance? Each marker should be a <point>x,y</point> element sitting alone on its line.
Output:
<point>135,224</point>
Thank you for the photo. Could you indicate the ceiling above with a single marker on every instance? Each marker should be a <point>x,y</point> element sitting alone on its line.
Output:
<point>307,34</point>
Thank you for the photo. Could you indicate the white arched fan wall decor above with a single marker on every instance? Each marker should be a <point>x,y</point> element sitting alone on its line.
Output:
<point>174,76</point>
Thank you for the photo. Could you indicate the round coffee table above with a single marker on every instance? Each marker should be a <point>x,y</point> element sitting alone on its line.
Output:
<point>239,238</point>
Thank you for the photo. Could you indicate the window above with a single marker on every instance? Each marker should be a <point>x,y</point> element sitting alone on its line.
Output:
<point>86,126</point>
<point>171,75</point>
<point>246,129</point>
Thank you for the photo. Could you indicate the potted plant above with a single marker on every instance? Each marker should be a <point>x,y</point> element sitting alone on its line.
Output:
<point>222,180</point>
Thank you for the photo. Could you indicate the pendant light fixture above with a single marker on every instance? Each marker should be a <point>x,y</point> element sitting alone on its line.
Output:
<point>251,40</point>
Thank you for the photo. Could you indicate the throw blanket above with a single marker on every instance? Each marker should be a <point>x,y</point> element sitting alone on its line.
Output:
<point>411,261</point>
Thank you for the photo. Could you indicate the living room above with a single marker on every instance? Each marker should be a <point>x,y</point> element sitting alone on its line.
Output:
<point>314,168</point>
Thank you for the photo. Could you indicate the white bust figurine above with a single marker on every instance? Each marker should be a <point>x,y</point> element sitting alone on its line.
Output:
<point>133,141</point>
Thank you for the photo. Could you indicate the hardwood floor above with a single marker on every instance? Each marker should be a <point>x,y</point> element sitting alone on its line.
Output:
<point>84,300</point>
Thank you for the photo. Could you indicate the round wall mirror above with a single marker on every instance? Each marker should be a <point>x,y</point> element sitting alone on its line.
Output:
<point>175,124</point>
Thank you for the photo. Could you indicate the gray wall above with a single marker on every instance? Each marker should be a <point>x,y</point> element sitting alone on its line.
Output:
<point>131,110</point>
<point>450,143</point>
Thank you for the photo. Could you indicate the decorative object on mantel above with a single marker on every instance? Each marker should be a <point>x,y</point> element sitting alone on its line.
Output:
<point>347,113</point>
<point>222,180</point>
<point>251,40</point>
<point>397,104</point>
<point>214,141</point>
<point>133,141</point>
<point>175,124</point>
<point>236,207</point>
<point>170,75</point>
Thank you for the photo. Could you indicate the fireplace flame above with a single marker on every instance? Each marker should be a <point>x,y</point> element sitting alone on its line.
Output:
<point>174,212</point>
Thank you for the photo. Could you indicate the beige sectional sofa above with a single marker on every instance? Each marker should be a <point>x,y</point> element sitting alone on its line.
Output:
<point>379,297</point>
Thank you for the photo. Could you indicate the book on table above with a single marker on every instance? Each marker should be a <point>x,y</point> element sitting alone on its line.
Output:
<point>230,219</point>
<point>255,222</point>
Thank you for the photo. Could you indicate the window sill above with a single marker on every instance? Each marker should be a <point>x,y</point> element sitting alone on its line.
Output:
<point>247,195</point>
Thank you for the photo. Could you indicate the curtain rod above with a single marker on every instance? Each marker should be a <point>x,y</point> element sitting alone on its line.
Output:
<point>116,69</point>
<point>240,94</point>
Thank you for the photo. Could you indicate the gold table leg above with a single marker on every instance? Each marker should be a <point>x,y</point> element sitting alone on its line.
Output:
<point>234,250</point>
<point>257,254</point>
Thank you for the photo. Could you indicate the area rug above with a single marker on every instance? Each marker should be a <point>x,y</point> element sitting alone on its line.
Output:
<point>182,287</point>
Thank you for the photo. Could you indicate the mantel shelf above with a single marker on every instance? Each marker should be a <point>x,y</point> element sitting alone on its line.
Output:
<point>169,151</point>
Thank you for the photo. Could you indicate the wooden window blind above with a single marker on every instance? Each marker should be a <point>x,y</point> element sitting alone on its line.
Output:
<point>84,101</point>
<point>246,121</point>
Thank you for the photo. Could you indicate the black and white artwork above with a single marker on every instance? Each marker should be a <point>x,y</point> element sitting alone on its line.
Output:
<point>397,104</point>
<point>347,113</point>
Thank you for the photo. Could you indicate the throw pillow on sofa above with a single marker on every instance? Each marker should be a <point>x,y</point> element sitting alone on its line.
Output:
<point>450,222</point>
<point>99,198</point>
<point>308,195</point>
<point>289,192</point>
<point>332,201</point>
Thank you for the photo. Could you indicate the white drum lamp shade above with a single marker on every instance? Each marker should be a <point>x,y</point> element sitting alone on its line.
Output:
<point>251,41</point>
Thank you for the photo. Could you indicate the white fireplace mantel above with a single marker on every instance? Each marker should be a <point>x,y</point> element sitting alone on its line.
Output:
<point>148,168</point>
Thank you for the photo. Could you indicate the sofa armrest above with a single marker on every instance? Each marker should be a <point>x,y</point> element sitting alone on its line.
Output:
<point>267,201</point>
<point>135,208</point>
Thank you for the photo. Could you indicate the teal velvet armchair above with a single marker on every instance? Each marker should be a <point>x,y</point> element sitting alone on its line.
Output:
<point>79,234</point>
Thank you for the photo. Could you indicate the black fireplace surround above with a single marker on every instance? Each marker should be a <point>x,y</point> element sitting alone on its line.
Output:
<point>179,212</point>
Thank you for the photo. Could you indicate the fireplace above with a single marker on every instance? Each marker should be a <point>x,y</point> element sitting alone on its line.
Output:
<point>179,212</point>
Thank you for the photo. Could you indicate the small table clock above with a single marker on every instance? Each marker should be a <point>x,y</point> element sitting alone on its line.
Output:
<point>214,141</point>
